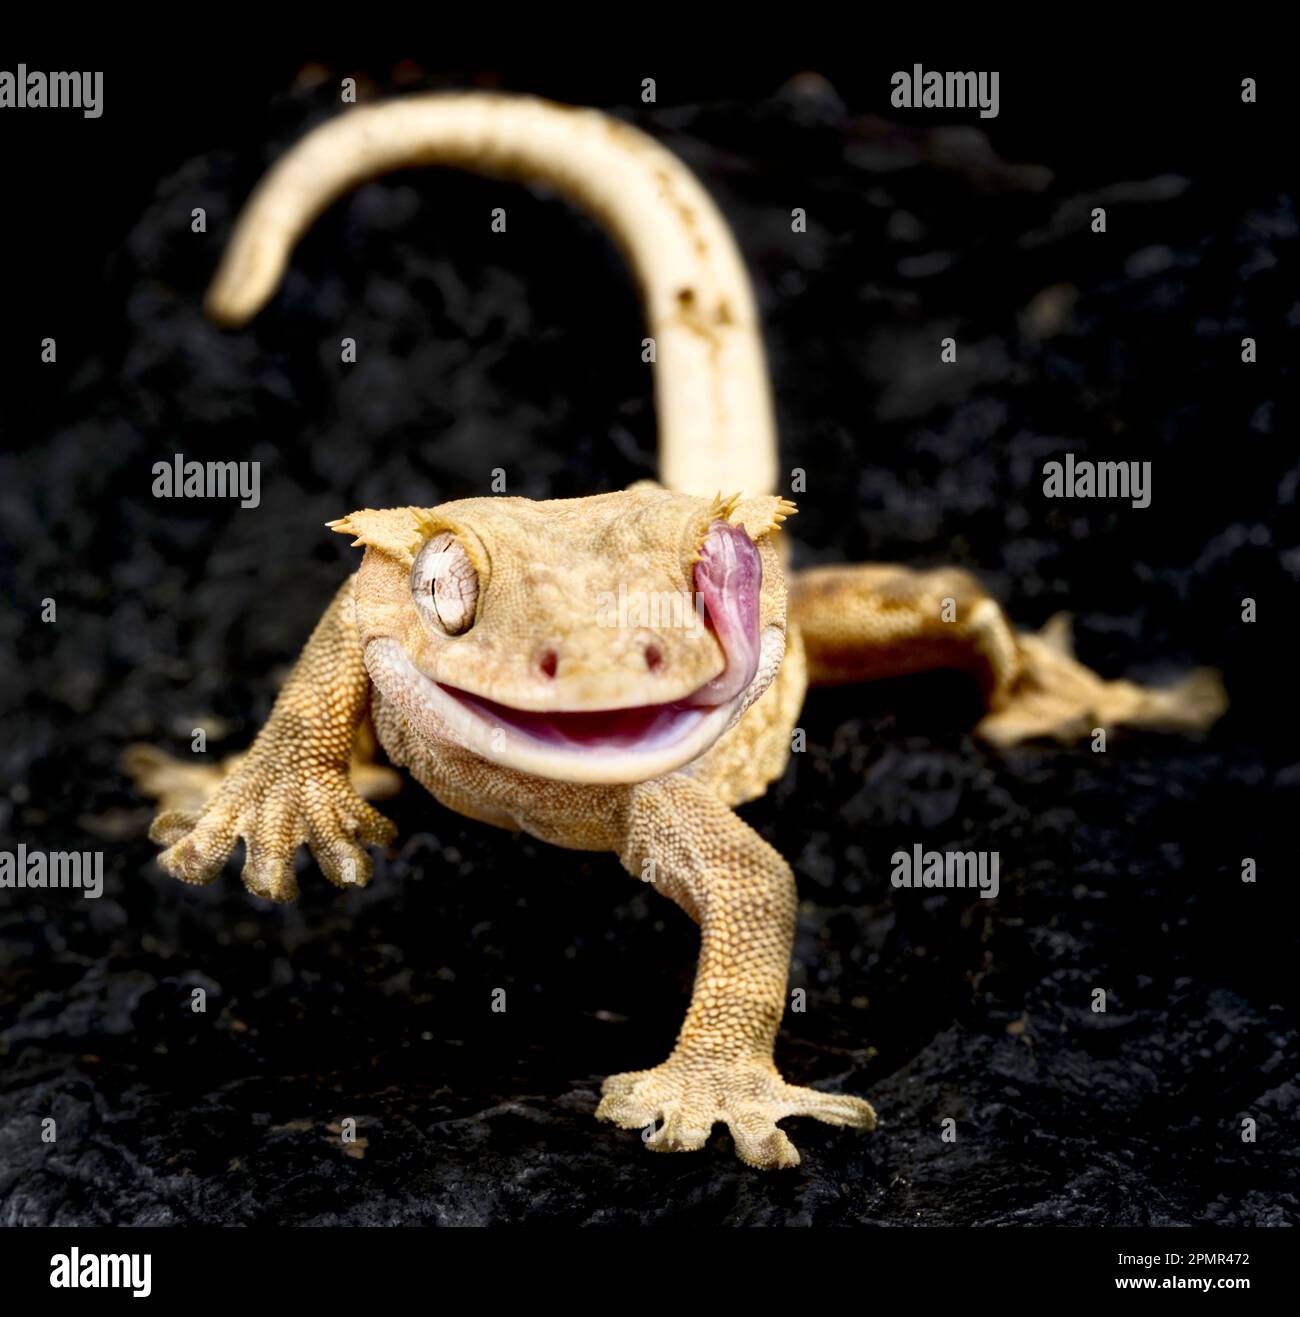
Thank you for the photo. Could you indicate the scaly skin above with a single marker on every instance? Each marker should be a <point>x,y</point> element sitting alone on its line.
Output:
<point>512,614</point>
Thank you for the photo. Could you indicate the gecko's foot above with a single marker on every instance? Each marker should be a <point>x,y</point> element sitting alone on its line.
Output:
<point>690,1096</point>
<point>275,809</point>
<point>1055,696</point>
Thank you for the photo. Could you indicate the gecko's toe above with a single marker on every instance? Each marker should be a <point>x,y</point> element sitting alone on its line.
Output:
<point>270,876</point>
<point>201,854</point>
<point>832,1108</point>
<point>684,1129</point>
<point>370,826</point>
<point>758,1141</point>
<point>335,814</point>
<point>171,825</point>
<point>626,1112</point>
<point>339,827</point>
<point>680,1132</point>
<point>622,1085</point>
<point>342,862</point>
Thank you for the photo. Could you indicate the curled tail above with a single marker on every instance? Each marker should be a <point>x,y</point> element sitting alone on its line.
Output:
<point>713,399</point>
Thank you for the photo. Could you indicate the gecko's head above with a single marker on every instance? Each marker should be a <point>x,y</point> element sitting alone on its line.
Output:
<point>600,640</point>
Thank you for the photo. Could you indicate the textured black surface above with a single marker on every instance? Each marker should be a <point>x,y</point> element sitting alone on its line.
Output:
<point>1119,871</point>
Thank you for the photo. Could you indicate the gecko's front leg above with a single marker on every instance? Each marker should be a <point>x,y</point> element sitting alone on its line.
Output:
<point>741,892</point>
<point>293,786</point>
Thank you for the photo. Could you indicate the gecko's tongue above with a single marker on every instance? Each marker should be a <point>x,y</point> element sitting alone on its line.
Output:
<point>728,577</point>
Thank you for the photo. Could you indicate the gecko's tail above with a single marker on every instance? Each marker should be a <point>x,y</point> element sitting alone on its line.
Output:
<point>713,399</point>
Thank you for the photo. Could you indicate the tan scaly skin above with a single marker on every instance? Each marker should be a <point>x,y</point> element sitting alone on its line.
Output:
<point>508,601</point>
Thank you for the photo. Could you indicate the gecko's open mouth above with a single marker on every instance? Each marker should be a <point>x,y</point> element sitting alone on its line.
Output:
<point>599,746</point>
<point>649,727</point>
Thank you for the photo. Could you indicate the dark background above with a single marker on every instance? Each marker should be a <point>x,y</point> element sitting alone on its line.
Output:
<point>1119,871</point>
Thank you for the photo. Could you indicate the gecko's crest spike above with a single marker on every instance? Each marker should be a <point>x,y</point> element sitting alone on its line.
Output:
<point>343,526</point>
<point>723,507</point>
<point>712,395</point>
<point>397,531</point>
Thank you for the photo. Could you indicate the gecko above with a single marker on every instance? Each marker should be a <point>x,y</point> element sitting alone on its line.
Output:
<point>528,663</point>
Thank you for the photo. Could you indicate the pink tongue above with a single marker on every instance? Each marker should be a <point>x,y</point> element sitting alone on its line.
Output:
<point>728,577</point>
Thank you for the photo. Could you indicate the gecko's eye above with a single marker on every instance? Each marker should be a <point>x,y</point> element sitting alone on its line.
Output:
<point>445,584</point>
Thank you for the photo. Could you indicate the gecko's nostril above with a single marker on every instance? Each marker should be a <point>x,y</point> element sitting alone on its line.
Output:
<point>548,662</point>
<point>654,657</point>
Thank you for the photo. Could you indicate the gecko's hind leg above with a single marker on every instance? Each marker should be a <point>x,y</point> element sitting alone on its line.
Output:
<point>1050,693</point>
<point>864,622</point>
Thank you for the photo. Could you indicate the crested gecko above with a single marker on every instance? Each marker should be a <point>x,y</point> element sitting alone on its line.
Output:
<point>479,646</point>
